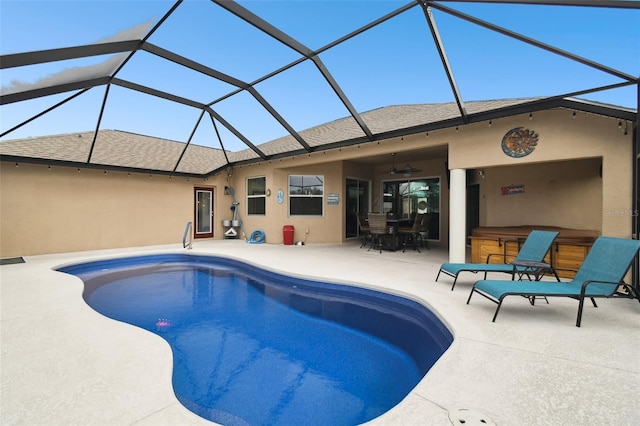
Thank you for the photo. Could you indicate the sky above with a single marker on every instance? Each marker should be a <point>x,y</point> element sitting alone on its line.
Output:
<point>394,63</point>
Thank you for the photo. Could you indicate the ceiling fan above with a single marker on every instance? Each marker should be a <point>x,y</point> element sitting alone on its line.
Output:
<point>404,171</point>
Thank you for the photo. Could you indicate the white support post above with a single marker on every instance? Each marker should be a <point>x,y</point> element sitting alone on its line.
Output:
<point>458,216</point>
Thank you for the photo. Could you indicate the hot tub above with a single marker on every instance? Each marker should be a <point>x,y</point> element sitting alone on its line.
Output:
<point>566,255</point>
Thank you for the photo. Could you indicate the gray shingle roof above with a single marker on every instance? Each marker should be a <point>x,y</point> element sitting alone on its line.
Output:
<point>69,147</point>
<point>137,151</point>
<point>380,121</point>
<point>129,150</point>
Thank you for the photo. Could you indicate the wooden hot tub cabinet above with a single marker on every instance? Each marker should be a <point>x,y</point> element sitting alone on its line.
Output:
<point>566,255</point>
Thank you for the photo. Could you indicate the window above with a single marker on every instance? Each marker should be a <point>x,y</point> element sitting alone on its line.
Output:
<point>306,195</point>
<point>256,196</point>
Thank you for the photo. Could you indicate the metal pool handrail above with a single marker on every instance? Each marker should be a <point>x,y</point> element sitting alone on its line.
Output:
<point>184,237</point>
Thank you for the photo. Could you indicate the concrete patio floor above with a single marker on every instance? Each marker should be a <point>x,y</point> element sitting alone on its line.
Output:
<point>64,364</point>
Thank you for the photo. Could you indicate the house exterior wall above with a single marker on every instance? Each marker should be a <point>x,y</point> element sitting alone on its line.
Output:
<point>328,228</point>
<point>564,193</point>
<point>579,176</point>
<point>562,179</point>
<point>61,210</point>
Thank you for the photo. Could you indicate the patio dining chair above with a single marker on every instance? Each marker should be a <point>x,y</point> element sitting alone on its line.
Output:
<point>378,230</point>
<point>364,231</point>
<point>424,230</point>
<point>413,237</point>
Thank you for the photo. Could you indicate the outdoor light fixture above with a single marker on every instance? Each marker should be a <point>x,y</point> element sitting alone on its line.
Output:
<point>530,116</point>
<point>489,123</point>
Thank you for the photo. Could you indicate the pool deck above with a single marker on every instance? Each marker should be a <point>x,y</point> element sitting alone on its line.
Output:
<point>64,364</point>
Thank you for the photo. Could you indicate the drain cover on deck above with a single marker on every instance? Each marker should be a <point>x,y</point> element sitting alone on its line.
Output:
<point>466,417</point>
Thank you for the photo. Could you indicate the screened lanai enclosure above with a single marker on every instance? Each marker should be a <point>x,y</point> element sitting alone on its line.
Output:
<point>200,86</point>
<point>195,88</point>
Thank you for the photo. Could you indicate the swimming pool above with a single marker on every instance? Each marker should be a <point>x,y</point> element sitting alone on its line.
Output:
<point>252,346</point>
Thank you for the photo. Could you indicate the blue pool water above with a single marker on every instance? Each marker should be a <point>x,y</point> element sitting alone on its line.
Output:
<point>254,347</point>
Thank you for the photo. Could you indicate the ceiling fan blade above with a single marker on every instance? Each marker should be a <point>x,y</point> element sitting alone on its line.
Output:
<point>408,169</point>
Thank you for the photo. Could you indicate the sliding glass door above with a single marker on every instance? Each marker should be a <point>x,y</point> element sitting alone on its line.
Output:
<point>357,202</point>
<point>406,198</point>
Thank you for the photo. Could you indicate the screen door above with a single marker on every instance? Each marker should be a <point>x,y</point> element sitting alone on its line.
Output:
<point>203,213</point>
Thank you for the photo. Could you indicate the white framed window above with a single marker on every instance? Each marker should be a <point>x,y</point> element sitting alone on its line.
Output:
<point>256,196</point>
<point>306,195</point>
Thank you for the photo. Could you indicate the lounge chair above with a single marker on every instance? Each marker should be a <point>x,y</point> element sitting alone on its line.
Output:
<point>533,251</point>
<point>600,275</point>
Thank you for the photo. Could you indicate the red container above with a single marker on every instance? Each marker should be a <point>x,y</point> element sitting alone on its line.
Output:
<point>287,235</point>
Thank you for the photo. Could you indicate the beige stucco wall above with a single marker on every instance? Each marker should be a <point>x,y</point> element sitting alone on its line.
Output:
<point>57,210</point>
<point>558,190</point>
<point>336,167</point>
<point>322,229</point>
<point>564,193</point>
<point>61,210</point>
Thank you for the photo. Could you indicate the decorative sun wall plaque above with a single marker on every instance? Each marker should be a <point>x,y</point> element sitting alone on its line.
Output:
<point>519,142</point>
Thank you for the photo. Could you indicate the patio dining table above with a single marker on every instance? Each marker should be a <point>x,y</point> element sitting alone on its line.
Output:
<point>393,225</point>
